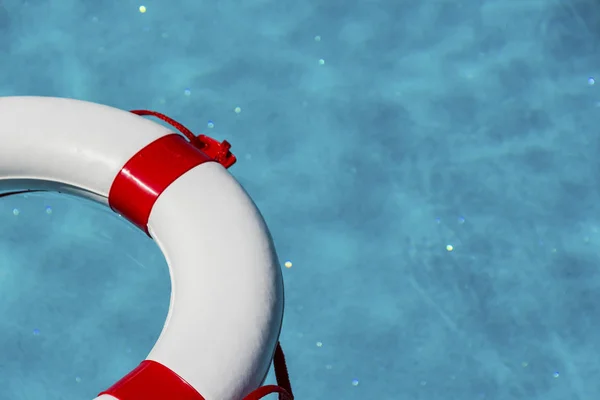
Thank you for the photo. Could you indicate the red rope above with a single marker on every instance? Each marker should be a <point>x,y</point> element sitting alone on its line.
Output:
<point>281,372</point>
<point>283,388</point>
<point>219,151</point>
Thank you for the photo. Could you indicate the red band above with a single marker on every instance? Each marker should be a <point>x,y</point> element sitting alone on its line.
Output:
<point>148,173</point>
<point>152,381</point>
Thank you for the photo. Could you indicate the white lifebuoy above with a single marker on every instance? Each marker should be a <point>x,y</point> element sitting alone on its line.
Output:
<point>226,307</point>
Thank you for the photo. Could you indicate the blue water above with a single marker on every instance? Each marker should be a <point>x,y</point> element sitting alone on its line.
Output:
<point>427,124</point>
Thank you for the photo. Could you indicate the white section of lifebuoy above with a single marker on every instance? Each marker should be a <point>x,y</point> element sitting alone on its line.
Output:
<point>227,300</point>
<point>227,292</point>
<point>74,145</point>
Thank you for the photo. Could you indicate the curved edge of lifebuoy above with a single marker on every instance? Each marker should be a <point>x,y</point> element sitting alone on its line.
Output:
<point>223,352</point>
<point>242,256</point>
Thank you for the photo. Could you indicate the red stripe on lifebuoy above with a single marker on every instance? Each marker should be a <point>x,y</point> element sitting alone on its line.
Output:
<point>152,381</point>
<point>148,173</point>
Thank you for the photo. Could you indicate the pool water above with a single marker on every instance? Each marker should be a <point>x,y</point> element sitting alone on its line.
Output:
<point>84,296</point>
<point>429,171</point>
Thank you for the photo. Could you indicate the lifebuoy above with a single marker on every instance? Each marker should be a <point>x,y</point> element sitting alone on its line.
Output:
<point>226,308</point>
